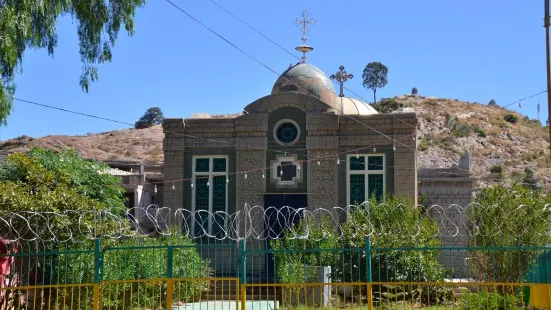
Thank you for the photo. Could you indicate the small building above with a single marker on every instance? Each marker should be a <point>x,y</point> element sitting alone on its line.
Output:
<point>144,192</point>
<point>300,146</point>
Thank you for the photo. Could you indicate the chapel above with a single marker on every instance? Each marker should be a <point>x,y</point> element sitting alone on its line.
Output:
<point>301,146</point>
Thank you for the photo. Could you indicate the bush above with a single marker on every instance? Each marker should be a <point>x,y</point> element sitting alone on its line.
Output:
<point>496,169</point>
<point>462,130</point>
<point>491,300</point>
<point>492,103</point>
<point>137,262</point>
<point>396,223</point>
<point>513,216</point>
<point>298,265</point>
<point>414,91</point>
<point>387,105</point>
<point>511,118</point>
<point>480,132</point>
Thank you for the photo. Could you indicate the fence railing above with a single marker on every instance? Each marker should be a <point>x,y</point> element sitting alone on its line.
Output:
<point>251,274</point>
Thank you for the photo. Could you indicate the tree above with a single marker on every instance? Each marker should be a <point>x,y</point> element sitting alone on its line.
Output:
<point>492,103</point>
<point>414,91</point>
<point>374,77</point>
<point>508,216</point>
<point>46,181</point>
<point>33,24</point>
<point>153,116</point>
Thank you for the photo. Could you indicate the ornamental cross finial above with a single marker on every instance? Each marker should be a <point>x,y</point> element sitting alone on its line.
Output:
<point>341,77</point>
<point>304,22</point>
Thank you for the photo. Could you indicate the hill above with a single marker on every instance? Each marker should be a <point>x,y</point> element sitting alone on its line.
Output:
<point>447,129</point>
<point>450,128</point>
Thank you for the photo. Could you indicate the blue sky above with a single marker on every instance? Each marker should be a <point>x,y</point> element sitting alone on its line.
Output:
<point>470,50</point>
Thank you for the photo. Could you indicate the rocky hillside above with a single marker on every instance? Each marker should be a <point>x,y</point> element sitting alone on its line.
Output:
<point>495,137</point>
<point>143,145</point>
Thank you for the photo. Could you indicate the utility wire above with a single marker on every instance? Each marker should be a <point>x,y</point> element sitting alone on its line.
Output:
<point>296,57</point>
<point>275,72</point>
<point>70,111</point>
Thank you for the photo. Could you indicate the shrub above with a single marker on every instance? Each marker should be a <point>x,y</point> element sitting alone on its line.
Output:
<point>462,130</point>
<point>414,91</point>
<point>492,103</point>
<point>137,262</point>
<point>480,132</point>
<point>491,300</point>
<point>424,144</point>
<point>511,118</point>
<point>496,169</point>
<point>500,221</point>
<point>387,105</point>
<point>395,223</point>
<point>300,264</point>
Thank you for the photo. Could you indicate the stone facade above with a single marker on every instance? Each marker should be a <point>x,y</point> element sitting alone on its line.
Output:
<point>290,148</point>
<point>448,193</point>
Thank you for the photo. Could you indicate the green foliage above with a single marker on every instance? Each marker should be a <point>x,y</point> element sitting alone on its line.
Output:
<point>424,144</point>
<point>491,300</point>
<point>386,105</point>
<point>307,234</point>
<point>480,132</point>
<point>396,223</point>
<point>414,91</point>
<point>299,266</point>
<point>153,116</point>
<point>511,118</point>
<point>45,181</point>
<point>460,129</point>
<point>492,103</point>
<point>374,77</point>
<point>33,24</point>
<point>496,169</point>
<point>137,259</point>
<point>530,179</point>
<point>508,217</point>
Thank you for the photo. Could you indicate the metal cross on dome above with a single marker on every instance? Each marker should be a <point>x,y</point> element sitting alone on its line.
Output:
<point>304,22</point>
<point>341,77</point>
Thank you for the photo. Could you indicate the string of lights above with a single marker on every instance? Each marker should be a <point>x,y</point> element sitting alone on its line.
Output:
<point>217,141</point>
<point>220,141</point>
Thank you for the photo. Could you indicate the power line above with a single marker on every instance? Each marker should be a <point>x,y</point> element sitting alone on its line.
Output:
<point>521,100</point>
<point>70,111</point>
<point>293,55</point>
<point>275,72</point>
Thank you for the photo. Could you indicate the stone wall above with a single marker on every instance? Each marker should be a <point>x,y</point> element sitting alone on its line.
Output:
<point>173,168</point>
<point>384,131</point>
<point>448,193</point>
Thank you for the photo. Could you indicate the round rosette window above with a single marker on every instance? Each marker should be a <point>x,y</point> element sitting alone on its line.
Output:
<point>286,132</point>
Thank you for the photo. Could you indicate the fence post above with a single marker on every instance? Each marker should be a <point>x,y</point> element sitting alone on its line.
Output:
<point>368,273</point>
<point>242,272</point>
<point>98,262</point>
<point>170,276</point>
<point>242,262</point>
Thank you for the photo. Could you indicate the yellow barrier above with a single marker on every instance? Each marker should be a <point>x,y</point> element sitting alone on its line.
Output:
<point>226,294</point>
<point>69,296</point>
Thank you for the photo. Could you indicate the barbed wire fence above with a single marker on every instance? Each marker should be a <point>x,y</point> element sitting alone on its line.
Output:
<point>253,222</point>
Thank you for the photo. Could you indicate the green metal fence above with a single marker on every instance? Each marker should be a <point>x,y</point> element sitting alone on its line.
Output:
<point>425,275</point>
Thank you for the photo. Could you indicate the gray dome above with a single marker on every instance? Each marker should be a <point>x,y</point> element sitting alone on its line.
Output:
<point>306,79</point>
<point>351,106</point>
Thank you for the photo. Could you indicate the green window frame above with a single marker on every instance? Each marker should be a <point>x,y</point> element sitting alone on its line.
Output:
<point>210,193</point>
<point>365,177</point>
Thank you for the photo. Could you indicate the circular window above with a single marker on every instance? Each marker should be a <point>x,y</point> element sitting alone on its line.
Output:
<point>286,132</point>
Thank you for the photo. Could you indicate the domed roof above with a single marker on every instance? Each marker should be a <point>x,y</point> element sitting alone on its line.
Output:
<point>306,79</point>
<point>351,106</point>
